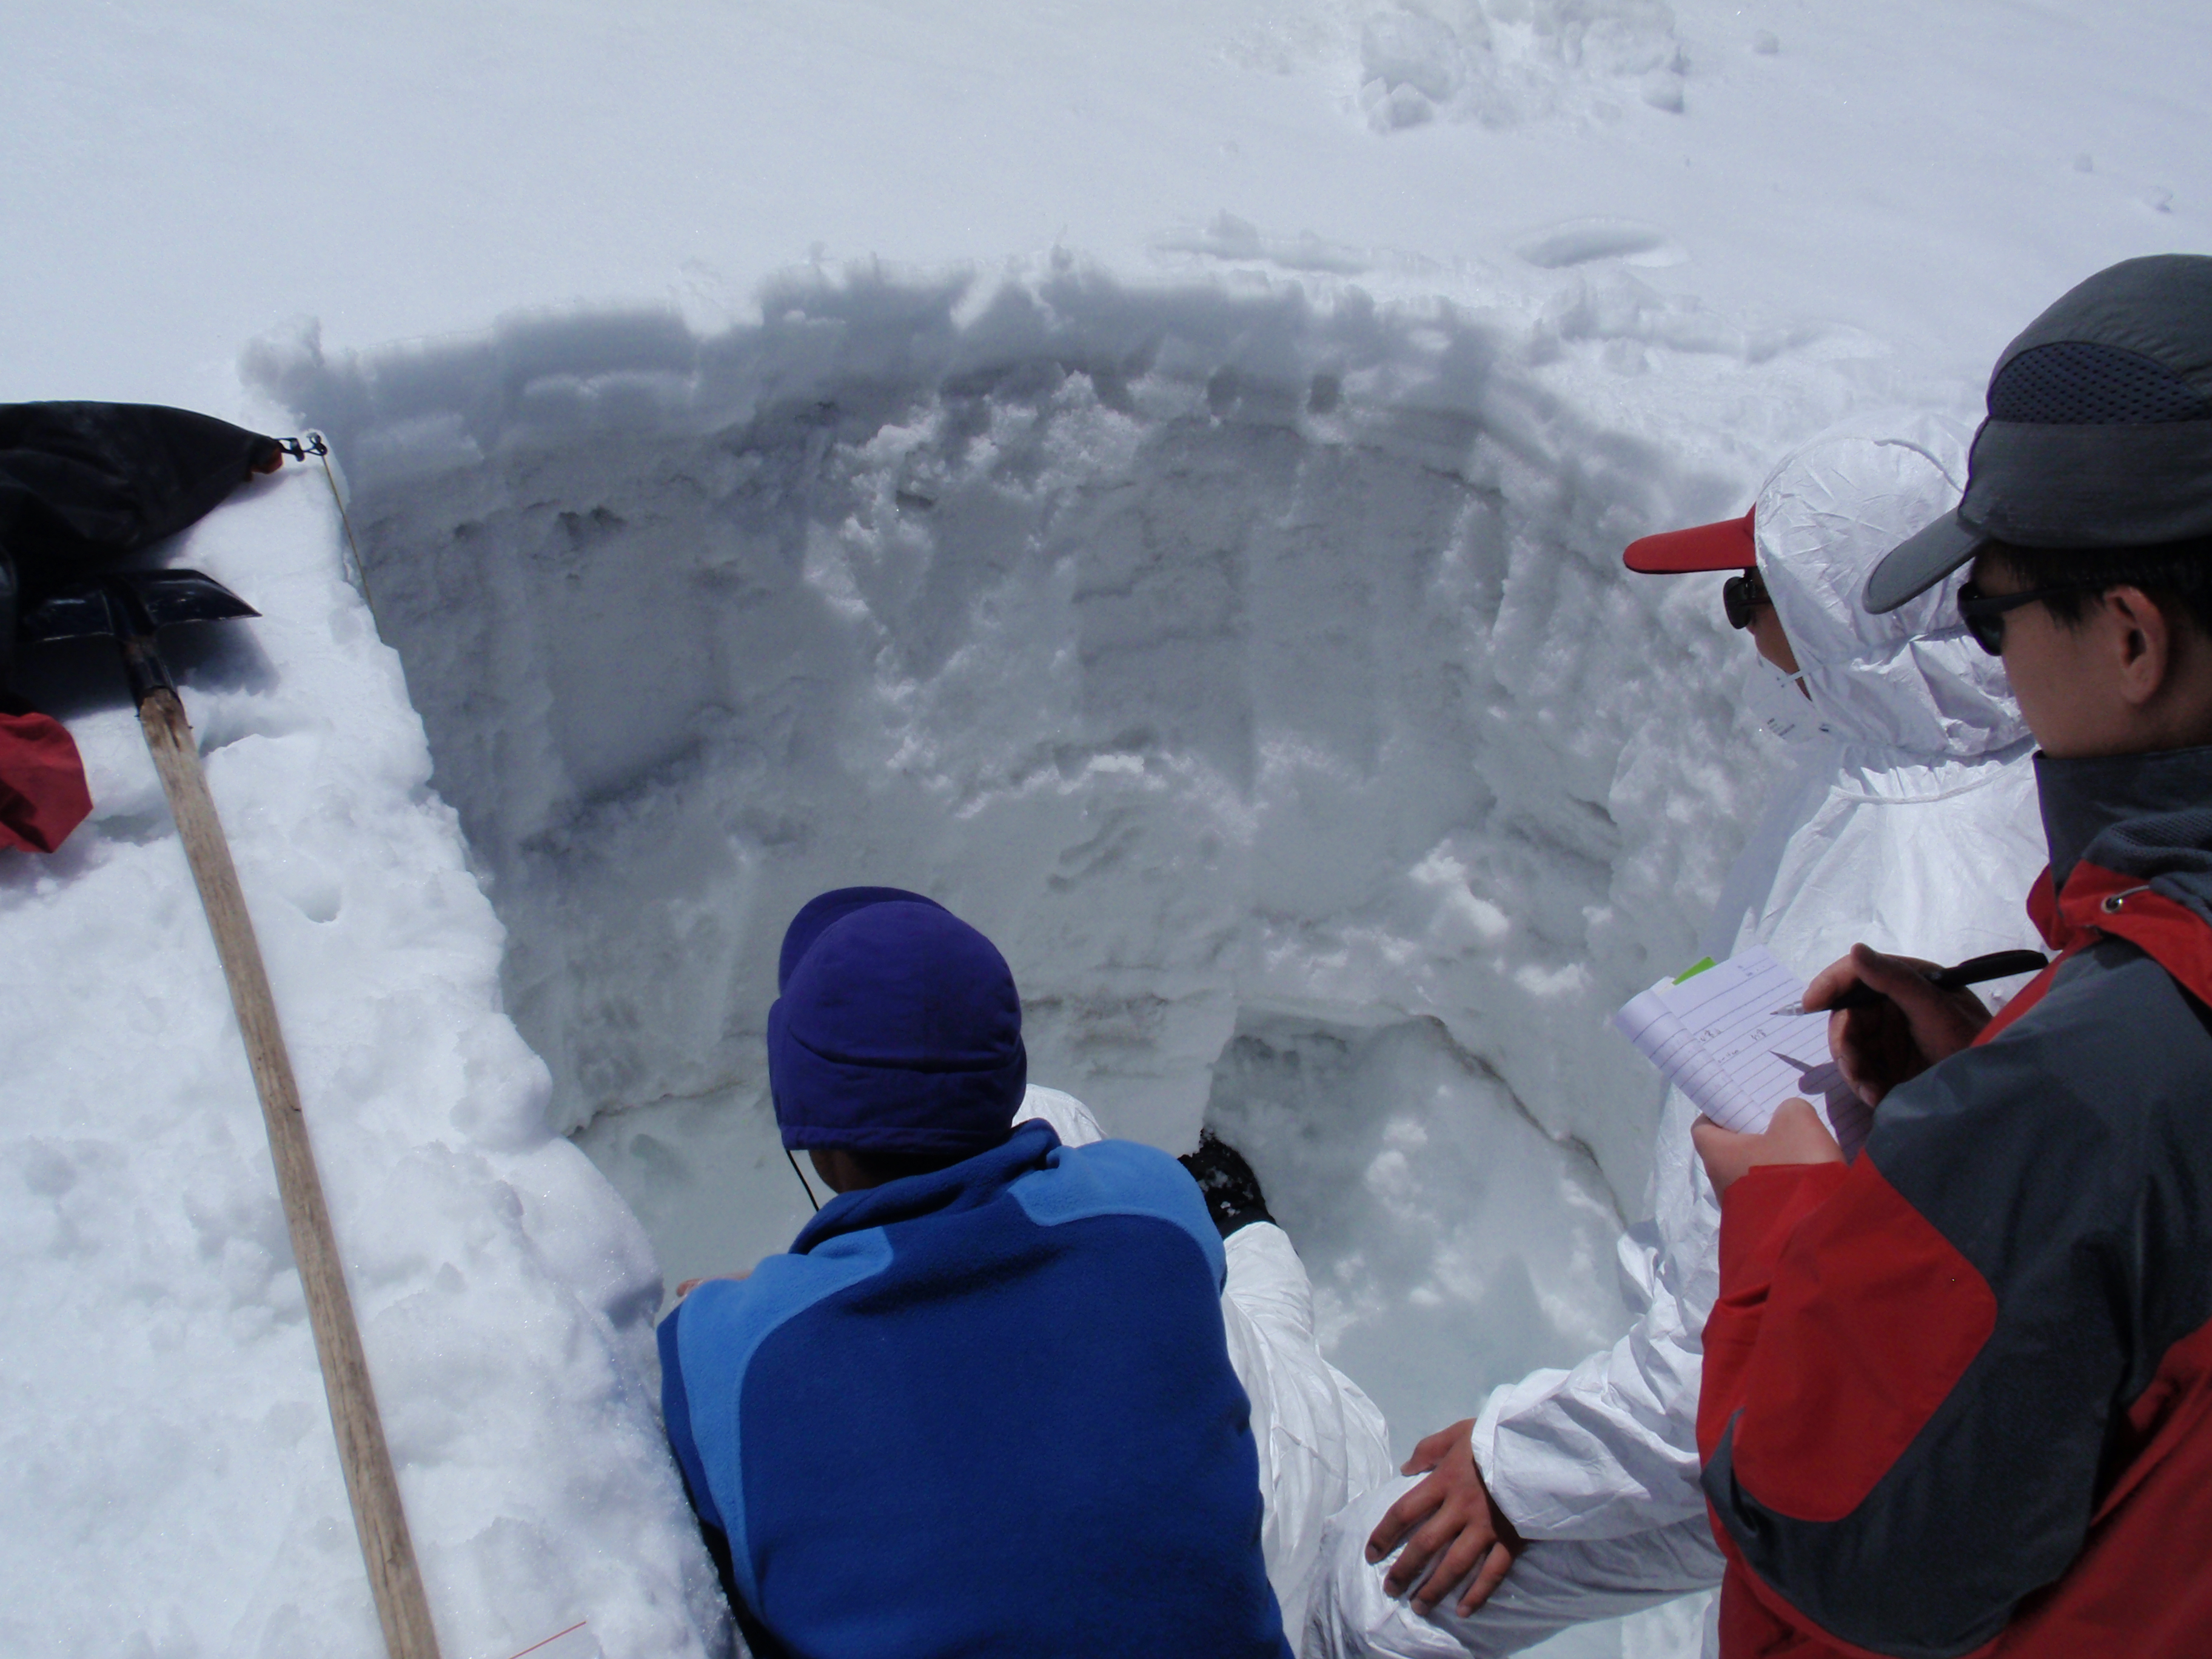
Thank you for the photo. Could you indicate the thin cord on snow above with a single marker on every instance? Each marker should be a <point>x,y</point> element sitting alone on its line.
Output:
<point>555,1637</point>
<point>803,1180</point>
<point>314,444</point>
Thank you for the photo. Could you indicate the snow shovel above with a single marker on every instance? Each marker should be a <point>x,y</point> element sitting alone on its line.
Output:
<point>133,607</point>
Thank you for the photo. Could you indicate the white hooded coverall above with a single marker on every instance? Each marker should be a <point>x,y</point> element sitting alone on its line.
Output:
<point>1908,821</point>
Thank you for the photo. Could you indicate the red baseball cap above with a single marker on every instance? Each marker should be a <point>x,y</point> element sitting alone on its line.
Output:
<point>1726,545</point>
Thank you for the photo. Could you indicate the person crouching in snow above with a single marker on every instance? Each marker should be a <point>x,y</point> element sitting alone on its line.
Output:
<point>1956,1391</point>
<point>985,1404</point>
<point>1908,820</point>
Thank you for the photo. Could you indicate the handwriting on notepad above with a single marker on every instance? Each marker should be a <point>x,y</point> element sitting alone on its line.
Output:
<point>1729,1037</point>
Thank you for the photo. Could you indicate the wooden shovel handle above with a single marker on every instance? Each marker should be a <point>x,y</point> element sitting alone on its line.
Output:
<point>377,1514</point>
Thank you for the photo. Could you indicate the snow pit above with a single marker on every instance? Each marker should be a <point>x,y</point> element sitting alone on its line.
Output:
<point>1252,663</point>
<point>1251,656</point>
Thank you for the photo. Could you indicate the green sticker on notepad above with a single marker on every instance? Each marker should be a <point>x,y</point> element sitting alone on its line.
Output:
<point>1693,969</point>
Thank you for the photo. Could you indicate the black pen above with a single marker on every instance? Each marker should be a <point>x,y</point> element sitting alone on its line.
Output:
<point>1998,965</point>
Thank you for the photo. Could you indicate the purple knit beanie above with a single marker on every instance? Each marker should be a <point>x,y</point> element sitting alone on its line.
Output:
<point>897,1029</point>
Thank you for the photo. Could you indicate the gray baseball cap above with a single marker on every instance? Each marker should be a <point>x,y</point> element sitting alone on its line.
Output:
<point>2099,429</point>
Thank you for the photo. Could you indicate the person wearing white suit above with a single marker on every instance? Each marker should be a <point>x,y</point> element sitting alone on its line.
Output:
<point>1908,821</point>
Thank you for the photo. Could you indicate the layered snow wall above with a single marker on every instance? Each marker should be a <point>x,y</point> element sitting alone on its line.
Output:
<point>1251,660</point>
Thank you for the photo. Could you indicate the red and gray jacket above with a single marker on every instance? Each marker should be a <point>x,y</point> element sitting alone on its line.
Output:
<point>1958,1394</point>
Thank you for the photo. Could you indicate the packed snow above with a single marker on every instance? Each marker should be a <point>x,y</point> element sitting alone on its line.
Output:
<point>1151,477</point>
<point>173,1488</point>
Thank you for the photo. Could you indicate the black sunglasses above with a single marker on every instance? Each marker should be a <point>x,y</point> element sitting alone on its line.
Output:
<point>1743,595</point>
<point>1984,613</point>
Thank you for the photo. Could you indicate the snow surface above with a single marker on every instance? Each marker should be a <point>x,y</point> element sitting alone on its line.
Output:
<point>173,1487</point>
<point>1151,476</point>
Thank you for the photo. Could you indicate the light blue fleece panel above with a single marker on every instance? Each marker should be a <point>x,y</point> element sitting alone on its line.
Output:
<point>726,1321</point>
<point>1120,1177</point>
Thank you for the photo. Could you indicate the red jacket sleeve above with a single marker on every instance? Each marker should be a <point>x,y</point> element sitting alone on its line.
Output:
<point>1757,1216</point>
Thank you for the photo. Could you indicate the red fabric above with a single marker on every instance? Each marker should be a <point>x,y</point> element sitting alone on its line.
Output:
<point>1826,1413</point>
<point>2023,999</point>
<point>1727,546</point>
<point>2139,1588</point>
<point>1757,1623</point>
<point>42,791</point>
<point>2043,911</point>
<point>2171,934</point>
<point>2100,900</point>
<point>1823,1418</point>
<point>1758,1214</point>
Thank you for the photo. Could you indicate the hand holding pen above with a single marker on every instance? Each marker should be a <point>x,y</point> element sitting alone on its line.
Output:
<point>1974,970</point>
<point>1891,1017</point>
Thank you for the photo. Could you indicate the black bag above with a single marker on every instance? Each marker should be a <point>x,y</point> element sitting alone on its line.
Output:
<point>83,484</point>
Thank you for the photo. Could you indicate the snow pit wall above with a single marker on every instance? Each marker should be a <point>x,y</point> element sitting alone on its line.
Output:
<point>1256,669</point>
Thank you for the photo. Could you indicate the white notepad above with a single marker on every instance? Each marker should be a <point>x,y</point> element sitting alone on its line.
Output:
<point>1729,1038</point>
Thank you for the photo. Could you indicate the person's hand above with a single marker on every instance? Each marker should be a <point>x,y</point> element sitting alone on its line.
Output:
<point>1795,1135</point>
<point>1910,1030</point>
<point>1460,1526</point>
<point>691,1285</point>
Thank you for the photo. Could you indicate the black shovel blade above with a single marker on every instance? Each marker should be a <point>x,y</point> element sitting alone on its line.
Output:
<point>161,597</point>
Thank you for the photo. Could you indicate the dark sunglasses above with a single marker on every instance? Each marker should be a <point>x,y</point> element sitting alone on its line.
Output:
<point>1743,595</point>
<point>1984,614</point>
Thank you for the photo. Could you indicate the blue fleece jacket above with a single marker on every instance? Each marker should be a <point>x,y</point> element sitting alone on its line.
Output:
<point>984,1411</point>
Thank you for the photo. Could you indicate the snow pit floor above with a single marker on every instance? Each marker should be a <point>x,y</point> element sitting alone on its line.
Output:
<point>1251,660</point>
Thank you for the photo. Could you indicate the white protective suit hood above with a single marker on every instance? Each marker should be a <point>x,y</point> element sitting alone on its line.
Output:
<point>1910,821</point>
<point>1912,679</point>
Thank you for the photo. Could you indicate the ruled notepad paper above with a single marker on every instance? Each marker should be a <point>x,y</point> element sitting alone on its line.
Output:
<point>1727,1039</point>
